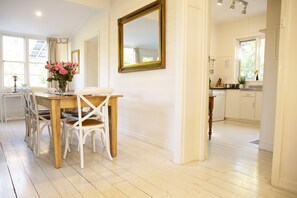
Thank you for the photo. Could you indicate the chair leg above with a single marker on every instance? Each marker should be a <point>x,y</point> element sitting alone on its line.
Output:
<point>50,132</point>
<point>103,140</point>
<point>81,149</point>
<point>66,145</point>
<point>38,143</point>
<point>29,137</point>
<point>27,130</point>
<point>93,141</point>
<point>108,149</point>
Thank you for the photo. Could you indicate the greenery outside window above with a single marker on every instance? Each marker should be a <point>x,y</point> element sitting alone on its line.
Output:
<point>251,57</point>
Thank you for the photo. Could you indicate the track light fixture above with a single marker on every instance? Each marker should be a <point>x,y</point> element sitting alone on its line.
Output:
<point>244,10</point>
<point>232,6</point>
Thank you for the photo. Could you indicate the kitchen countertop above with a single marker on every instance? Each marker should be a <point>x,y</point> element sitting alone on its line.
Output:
<point>221,88</point>
<point>243,89</point>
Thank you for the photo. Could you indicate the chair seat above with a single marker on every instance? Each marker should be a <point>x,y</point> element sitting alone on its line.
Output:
<point>43,112</point>
<point>75,114</point>
<point>48,117</point>
<point>88,122</point>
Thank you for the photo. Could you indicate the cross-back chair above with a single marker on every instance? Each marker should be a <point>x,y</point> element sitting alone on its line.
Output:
<point>87,124</point>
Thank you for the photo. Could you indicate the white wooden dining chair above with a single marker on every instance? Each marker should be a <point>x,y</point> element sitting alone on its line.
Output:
<point>88,124</point>
<point>25,99</point>
<point>40,119</point>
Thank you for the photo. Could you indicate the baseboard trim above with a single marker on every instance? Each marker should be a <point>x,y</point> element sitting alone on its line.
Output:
<point>145,139</point>
<point>288,185</point>
<point>265,146</point>
<point>243,121</point>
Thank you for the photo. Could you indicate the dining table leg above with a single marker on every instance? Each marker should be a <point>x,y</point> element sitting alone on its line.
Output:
<point>113,126</point>
<point>55,117</point>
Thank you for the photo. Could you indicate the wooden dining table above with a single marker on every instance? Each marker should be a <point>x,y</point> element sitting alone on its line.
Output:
<point>58,102</point>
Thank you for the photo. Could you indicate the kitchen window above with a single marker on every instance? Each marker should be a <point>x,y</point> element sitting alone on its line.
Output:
<point>251,58</point>
<point>24,58</point>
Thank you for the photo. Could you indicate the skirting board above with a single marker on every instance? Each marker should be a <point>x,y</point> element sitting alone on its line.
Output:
<point>288,185</point>
<point>243,121</point>
<point>146,139</point>
<point>265,146</point>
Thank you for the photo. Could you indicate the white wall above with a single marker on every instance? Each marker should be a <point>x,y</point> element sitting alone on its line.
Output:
<point>223,37</point>
<point>91,63</point>
<point>96,25</point>
<point>270,76</point>
<point>147,109</point>
<point>284,171</point>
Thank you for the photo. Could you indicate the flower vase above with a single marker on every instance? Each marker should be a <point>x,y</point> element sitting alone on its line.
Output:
<point>62,86</point>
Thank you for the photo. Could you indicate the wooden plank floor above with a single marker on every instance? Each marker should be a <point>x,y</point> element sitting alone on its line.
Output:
<point>235,168</point>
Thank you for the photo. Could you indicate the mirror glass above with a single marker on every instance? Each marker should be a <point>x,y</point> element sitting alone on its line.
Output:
<point>142,39</point>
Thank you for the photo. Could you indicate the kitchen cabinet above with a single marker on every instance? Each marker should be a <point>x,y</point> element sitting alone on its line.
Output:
<point>232,104</point>
<point>247,105</point>
<point>243,105</point>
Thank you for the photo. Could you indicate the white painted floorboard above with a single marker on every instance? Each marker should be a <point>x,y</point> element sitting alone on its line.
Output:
<point>234,168</point>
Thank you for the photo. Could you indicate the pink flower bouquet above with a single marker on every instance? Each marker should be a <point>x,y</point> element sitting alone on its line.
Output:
<point>61,71</point>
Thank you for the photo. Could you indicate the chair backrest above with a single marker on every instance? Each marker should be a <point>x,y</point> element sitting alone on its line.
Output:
<point>34,109</point>
<point>100,110</point>
<point>25,99</point>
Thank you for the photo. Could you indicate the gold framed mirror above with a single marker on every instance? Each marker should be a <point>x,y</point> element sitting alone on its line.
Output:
<point>142,39</point>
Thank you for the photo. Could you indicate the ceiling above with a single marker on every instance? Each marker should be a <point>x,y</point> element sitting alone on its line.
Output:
<point>222,13</point>
<point>59,18</point>
<point>62,18</point>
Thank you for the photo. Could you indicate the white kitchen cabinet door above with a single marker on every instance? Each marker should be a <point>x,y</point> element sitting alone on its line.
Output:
<point>232,104</point>
<point>247,105</point>
<point>258,108</point>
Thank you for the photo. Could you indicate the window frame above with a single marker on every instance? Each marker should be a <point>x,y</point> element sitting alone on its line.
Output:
<point>257,38</point>
<point>26,57</point>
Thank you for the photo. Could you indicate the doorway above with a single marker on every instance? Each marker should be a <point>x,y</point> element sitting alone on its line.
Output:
<point>226,28</point>
<point>91,62</point>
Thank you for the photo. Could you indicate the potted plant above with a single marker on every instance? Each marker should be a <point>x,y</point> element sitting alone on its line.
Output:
<point>241,81</point>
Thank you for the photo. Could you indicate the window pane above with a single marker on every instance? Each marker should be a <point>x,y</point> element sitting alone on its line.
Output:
<point>13,69</point>
<point>247,59</point>
<point>37,51</point>
<point>13,49</point>
<point>38,75</point>
<point>261,61</point>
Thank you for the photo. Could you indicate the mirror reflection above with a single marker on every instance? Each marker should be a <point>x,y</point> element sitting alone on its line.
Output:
<point>141,39</point>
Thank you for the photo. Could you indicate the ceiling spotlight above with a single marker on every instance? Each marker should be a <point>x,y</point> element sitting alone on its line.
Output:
<point>38,13</point>
<point>232,6</point>
<point>220,2</point>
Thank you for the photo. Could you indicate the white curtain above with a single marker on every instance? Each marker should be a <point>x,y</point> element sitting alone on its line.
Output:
<point>57,51</point>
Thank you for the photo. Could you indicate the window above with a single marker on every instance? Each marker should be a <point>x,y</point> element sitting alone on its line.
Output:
<point>13,60</point>
<point>251,58</point>
<point>24,58</point>
<point>37,60</point>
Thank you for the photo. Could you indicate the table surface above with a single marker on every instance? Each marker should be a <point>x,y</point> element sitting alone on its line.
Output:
<point>57,102</point>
